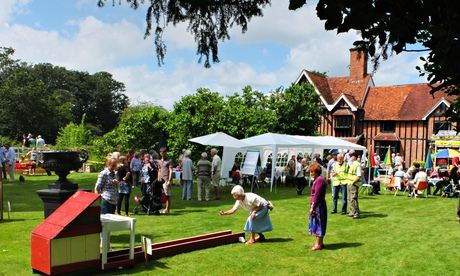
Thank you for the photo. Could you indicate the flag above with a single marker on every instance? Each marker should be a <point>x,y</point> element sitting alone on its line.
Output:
<point>371,159</point>
<point>428,160</point>
<point>387,160</point>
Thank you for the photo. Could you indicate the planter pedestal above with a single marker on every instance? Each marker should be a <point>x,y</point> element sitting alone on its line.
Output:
<point>61,162</point>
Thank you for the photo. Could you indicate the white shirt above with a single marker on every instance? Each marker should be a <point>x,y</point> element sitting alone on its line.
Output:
<point>420,176</point>
<point>216,163</point>
<point>298,170</point>
<point>398,161</point>
<point>250,202</point>
<point>40,142</point>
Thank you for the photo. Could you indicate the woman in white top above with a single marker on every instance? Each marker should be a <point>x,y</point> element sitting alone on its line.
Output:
<point>258,220</point>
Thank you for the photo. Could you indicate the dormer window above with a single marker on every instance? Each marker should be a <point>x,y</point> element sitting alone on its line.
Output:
<point>440,111</point>
<point>343,104</point>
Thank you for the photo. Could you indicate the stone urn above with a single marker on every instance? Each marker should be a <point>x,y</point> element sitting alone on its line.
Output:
<point>61,162</point>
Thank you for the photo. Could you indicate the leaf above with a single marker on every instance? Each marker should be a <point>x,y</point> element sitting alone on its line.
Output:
<point>295,4</point>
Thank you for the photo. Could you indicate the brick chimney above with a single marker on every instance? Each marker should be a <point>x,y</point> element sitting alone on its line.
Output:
<point>358,64</point>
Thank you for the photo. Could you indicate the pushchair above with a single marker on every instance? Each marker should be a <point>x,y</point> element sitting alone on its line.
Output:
<point>150,202</point>
<point>451,190</point>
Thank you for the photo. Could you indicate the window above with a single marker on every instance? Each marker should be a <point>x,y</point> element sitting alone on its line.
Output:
<point>343,121</point>
<point>343,104</point>
<point>388,127</point>
<point>282,160</point>
<point>441,125</point>
<point>440,111</point>
<point>239,157</point>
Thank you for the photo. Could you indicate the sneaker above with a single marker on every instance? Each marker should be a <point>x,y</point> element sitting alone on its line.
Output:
<point>334,212</point>
<point>356,217</point>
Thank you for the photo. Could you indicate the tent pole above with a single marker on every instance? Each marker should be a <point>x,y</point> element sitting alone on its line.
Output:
<point>274,160</point>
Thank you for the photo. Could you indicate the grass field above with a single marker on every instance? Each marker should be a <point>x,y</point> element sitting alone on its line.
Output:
<point>395,235</point>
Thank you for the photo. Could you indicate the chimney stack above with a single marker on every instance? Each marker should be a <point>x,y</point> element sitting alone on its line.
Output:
<point>358,64</point>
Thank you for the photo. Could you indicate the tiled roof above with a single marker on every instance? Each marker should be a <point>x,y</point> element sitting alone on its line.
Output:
<point>331,88</point>
<point>321,84</point>
<point>401,102</point>
<point>353,90</point>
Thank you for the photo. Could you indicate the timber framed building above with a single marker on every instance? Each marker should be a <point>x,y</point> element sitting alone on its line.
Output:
<point>402,117</point>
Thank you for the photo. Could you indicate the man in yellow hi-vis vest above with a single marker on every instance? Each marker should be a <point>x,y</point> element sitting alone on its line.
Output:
<point>339,182</point>
<point>354,178</point>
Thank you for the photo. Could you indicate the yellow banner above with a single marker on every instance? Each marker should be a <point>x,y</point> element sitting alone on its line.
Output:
<point>447,143</point>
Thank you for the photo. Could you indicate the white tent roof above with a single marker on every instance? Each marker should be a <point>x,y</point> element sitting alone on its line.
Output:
<point>276,139</point>
<point>330,142</point>
<point>219,139</point>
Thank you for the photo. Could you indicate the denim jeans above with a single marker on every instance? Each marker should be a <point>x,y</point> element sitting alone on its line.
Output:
<point>187,189</point>
<point>107,208</point>
<point>335,197</point>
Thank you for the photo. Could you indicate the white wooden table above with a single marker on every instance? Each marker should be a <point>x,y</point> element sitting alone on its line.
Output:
<point>112,223</point>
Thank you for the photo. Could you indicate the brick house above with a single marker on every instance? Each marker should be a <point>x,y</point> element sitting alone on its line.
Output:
<point>403,117</point>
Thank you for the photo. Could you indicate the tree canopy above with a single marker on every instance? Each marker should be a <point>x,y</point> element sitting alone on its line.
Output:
<point>385,26</point>
<point>42,98</point>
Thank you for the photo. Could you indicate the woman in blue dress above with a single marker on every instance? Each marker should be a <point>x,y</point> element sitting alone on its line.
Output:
<point>258,221</point>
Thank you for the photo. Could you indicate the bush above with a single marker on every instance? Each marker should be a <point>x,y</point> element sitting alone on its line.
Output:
<point>73,136</point>
<point>9,140</point>
<point>420,162</point>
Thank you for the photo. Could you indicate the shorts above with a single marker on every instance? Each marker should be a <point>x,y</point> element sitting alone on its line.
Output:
<point>167,188</point>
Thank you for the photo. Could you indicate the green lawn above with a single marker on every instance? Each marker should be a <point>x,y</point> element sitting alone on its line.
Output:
<point>395,236</point>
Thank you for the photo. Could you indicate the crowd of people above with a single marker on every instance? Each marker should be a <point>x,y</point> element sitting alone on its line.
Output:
<point>153,174</point>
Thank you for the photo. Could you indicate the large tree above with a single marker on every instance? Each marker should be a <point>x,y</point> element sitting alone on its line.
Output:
<point>43,98</point>
<point>247,114</point>
<point>385,26</point>
<point>297,109</point>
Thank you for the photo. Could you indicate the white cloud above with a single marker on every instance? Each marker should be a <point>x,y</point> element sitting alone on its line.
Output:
<point>10,7</point>
<point>119,48</point>
<point>96,46</point>
<point>164,89</point>
<point>399,69</point>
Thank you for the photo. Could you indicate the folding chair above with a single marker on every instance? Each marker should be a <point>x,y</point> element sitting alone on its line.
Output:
<point>405,184</point>
<point>420,186</point>
<point>391,186</point>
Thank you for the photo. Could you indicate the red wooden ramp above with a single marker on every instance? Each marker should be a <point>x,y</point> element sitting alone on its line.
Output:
<point>174,247</point>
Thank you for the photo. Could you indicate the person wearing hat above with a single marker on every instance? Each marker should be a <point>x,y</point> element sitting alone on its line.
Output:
<point>330,164</point>
<point>339,182</point>
<point>215,171</point>
<point>204,176</point>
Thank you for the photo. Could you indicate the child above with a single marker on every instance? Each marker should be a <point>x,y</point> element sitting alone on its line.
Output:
<point>258,220</point>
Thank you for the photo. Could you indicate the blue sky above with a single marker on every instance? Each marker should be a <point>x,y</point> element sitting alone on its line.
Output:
<point>81,36</point>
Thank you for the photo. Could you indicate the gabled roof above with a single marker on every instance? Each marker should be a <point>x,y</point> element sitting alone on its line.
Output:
<point>54,224</point>
<point>332,89</point>
<point>411,102</point>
